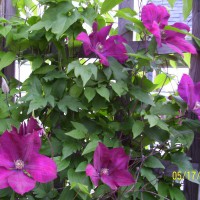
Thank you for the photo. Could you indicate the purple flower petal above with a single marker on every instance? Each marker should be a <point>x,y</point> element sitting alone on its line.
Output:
<point>108,180</point>
<point>98,43</point>
<point>95,26</point>
<point>180,26</point>
<point>6,160</point>
<point>103,59</point>
<point>103,33</point>
<point>186,90</point>
<point>106,164</point>
<point>155,18</point>
<point>181,45</point>
<point>41,168</point>
<point>20,182</point>
<point>12,145</point>
<point>18,146</point>
<point>4,174</point>
<point>33,125</point>
<point>162,16</point>
<point>86,42</point>
<point>101,156</point>
<point>114,47</point>
<point>122,177</point>
<point>122,160</point>
<point>184,86</point>
<point>91,171</point>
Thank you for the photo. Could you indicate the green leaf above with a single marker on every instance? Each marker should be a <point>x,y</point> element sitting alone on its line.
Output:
<point>119,87</point>
<point>126,13</point>
<point>144,83</point>
<point>44,69</point>
<point>6,59</point>
<point>118,70</point>
<point>162,80</point>
<point>58,18</point>
<point>36,63</point>
<point>139,55</point>
<point>61,163</point>
<point>150,176</point>
<point>89,93</point>
<point>153,162</point>
<point>4,30</point>
<point>182,135</point>
<point>163,125</point>
<point>79,127</point>
<point>137,128</point>
<point>152,119</point>
<point>164,109</point>
<point>142,96</point>
<point>85,72</point>
<point>163,189</point>
<point>91,146</point>
<point>171,3</point>
<point>108,5</point>
<point>100,191</point>
<point>81,167</point>
<point>187,8</point>
<point>61,84</point>
<point>77,134</point>
<point>45,191</point>
<point>75,91</point>
<point>5,192</point>
<point>182,161</point>
<point>54,75</point>
<point>69,148</point>
<point>69,102</point>
<point>176,194</point>
<point>191,123</point>
<point>36,104</point>
<point>156,134</point>
<point>104,92</point>
<point>89,14</point>
<point>78,180</point>
<point>67,192</point>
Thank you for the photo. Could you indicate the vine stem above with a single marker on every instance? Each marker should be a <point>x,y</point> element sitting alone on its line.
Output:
<point>50,144</point>
<point>8,104</point>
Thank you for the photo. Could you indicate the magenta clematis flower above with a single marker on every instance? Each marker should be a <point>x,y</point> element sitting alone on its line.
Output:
<point>96,42</point>
<point>111,167</point>
<point>190,93</point>
<point>21,165</point>
<point>155,18</point>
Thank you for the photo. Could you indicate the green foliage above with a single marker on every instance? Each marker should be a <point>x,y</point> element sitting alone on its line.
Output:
<point>108,5</point>
<point>187,8</point>
<point>6,59</point>
<point>172,2</point>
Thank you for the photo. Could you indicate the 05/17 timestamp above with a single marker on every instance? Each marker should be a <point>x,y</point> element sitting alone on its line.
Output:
<point>191,175</point>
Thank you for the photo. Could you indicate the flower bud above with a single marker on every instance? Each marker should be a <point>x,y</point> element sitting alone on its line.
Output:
<point>4,86</point>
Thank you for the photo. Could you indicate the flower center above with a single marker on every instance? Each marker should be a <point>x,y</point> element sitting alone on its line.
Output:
<point>163,34</point>
<point>105,171</point>
<point>197,105</point>
<point>99,47</point>
<point>19,164</point>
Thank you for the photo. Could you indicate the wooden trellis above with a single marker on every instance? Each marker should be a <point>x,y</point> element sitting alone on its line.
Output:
<point>191,190</point>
